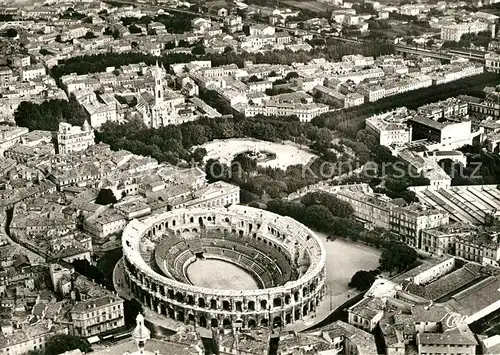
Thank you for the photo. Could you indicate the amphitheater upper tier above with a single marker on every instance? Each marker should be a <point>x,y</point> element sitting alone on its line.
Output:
<point>286,259</point>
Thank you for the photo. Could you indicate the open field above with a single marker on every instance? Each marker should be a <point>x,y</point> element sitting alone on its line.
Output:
<point>286,155</point>
<point>313,6</point>
<point>344,259</point>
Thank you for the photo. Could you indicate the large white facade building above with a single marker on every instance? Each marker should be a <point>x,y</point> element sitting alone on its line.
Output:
<point>492,60</point>
<point>454,32</point>
<point>73,138</point>
<point>97,316</point>
<point>391,127</point>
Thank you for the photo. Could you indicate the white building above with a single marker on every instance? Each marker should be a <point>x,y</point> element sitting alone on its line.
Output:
<point>389,132</point>
<point>10,136</point>
<point>492,62</point>
<point>97,316</point>
<point>29,337</point>
<point>73,138</point>
<point>454,32</point>
<point>32,72</point>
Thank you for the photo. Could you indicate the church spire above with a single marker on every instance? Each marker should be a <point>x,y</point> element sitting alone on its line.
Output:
<point>158,83</point>
<point>140,334</point>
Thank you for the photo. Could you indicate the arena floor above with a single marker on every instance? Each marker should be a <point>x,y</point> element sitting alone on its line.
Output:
<point>220,274</point>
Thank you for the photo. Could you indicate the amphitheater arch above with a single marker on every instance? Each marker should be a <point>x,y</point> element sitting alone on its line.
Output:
<point>304,292</point>
<point>171,313</point>
<point>194,230</point>
<point>179,297</point>
<point>213,304</point>
<point>170,294</point>
<point>233,231</point>
<point>277,322</point>
<point>252,323</point>
<point>287,299</point>
<point>226,323</point>
<point>191,219</point>
<point>241,233</point>
<point>296,296</point>
<point>214,323</point>
<point>305,310</point>
<point>191,318</point>
<point>190,300</point>
<point>264,322</point>
<point>226,306</point>
<point>297,314</point>
<point>200,221</point>
<point>288,318</point>
<point>251,305</point>
<point>203,322</point>
<point>311,288</point>
<point>180,316</point>
<point>201,302</point>
<point>239,306</point>
<point>263,304</point>
<point>209,219</point>
<point>186,231</point>
<point>277,302</point>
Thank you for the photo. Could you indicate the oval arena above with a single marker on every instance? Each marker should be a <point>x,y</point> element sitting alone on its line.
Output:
<point>285,259</point>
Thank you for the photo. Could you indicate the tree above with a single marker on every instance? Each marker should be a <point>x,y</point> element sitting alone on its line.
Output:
<point>131,308</point>
<point>198,154</point>
<point>83,267</point>
<point>106,197</point>
<point>61,343</point>
<point>134,29</point>
<point>89,35</point>
<point>11,33</point>
<point>397,258</point>
<point>244,161</point>
<point>228,49</point>
<point>337,207</point>
<point>198,50</point>
<point>291,75</point>
<point>362,280</point>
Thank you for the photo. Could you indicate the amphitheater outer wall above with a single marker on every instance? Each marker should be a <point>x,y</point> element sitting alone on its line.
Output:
<point>206,307</point>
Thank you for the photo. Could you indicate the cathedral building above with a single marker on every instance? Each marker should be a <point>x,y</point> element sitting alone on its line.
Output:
<point>161,107</point>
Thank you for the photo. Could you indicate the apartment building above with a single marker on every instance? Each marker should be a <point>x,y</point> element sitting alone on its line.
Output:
<point>449,135</point>
<point>32,72</point>
<point>380,211</point>
<point>391,127</point>
<point>492,62</point>
<point>305,112</point>
<point>31,337</point>
<point>72,139</point>
<point>451,107</point>
<point>454,32</point>
<point>96,316</point>
<point>446,343</point>
<point>335,98</point>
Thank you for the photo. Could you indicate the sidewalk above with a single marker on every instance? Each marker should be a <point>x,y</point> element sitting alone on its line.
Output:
<point>123,291</point>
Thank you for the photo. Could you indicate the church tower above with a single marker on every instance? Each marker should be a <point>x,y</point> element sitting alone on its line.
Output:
<point>140,334</point>
<point>158,84</point>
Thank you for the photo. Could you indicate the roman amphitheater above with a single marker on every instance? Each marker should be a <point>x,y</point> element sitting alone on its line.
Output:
<point>283,260</point>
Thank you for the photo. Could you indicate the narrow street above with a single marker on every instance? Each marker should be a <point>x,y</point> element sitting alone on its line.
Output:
<point>6,217</point>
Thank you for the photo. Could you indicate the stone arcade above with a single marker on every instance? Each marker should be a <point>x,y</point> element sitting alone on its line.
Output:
<point>285,257</point>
